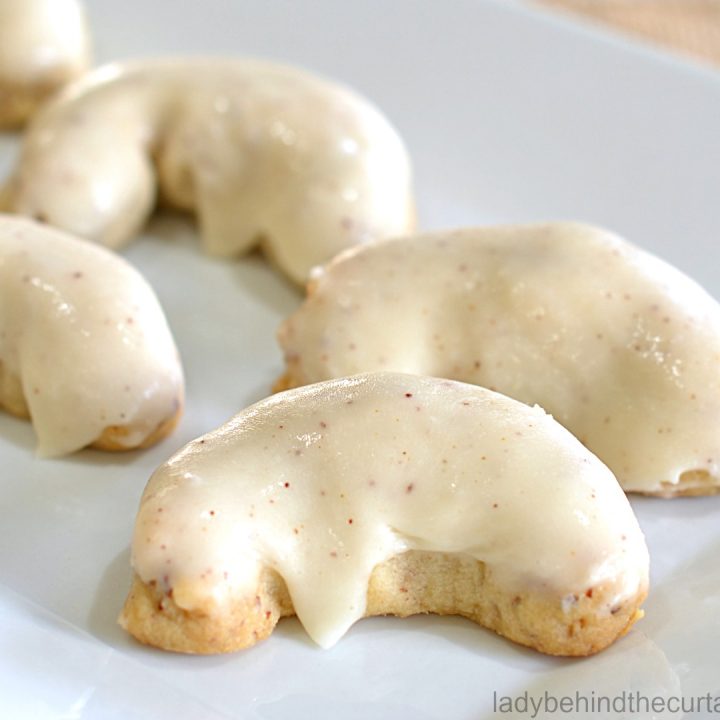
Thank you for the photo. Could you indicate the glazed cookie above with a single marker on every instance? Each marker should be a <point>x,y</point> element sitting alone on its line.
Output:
<point>85,350</point>
<point>265,155</point>
<point>44,44</point>
<point>617,345</point>
<point>385,494</point>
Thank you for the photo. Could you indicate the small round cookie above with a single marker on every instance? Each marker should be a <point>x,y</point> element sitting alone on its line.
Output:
<point>385,494</point>
<point>620,347</point>
<point>85,350</point>
<point>265,154</point>
<point>44,44</point>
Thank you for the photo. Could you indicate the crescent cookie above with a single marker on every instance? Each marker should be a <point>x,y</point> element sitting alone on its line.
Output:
<point>385,494</point>
<point>620,347</point>
<point>85,350</point>
<point>44,44</point>
<point>265,154</point>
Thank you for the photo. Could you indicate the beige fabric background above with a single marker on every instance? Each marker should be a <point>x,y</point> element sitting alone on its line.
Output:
<point>689,27</point>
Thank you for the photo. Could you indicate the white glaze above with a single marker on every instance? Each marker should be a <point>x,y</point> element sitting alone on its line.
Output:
<point>620,347</point>
<point>263,152</point>
<point>324,482</point>
<point>42,41</point>
<point>85,336</point>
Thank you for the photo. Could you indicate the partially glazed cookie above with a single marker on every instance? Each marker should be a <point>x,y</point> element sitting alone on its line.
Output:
<point>44,44</point>
<point>617,345</point>
<point>265,154</point>
<point>85,350</point>
<point>385,494</point>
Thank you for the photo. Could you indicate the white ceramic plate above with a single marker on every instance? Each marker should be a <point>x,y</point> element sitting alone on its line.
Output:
<point>509,115</point>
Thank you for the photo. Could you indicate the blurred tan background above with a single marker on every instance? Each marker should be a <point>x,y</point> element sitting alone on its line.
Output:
<point>688,27</point>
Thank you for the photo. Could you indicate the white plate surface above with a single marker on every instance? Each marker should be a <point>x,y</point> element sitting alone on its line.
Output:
<point>509,115</point>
